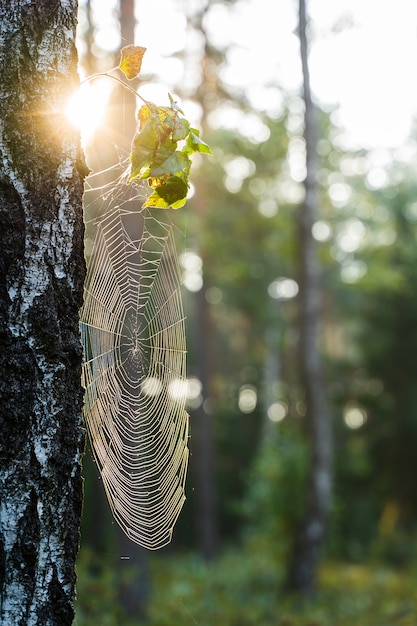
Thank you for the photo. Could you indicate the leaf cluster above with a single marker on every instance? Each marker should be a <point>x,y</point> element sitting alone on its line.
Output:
<point>161,152</point>
<point>163,145</point>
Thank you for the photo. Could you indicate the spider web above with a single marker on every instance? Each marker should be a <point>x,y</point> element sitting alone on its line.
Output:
<point>133,333</point>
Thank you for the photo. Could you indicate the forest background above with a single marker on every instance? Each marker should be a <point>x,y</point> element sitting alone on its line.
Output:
<point>239,252</point>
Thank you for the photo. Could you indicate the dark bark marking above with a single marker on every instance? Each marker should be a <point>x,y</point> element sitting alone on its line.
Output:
<point>26,553</point>
<point>17,396</point>
<point>12,242</point>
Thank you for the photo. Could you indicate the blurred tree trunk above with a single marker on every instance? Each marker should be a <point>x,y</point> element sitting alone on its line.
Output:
<point>126,99</point>
<point>133,586</point>
<point>202,426</point>
<point>202,446</point>
<point>127,22</point>
<point>311,534</point>
<point>41,287</point>
<point>88,61</point>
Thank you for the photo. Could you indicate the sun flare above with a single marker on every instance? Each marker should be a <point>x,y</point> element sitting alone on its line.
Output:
<point>86,108</point>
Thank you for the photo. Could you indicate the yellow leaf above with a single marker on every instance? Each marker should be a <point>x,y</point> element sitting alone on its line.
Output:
<point>131,60</point>
<point>145,112</point>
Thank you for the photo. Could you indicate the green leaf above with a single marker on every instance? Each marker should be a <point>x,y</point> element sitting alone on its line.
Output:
<point>195,144</point>
<point>171,194</point>
<point>174,105</point>
<point>143,151</point>
<point>176,163</point>
<point>147,142</point>
<point>181,129</point>
<point>161,156</point>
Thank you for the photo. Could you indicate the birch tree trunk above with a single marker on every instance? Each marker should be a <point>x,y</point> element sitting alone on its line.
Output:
<point>41,284</point>
<point>312,532</point>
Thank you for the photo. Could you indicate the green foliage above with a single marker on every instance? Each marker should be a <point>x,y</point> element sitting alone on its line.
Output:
<point>379,376</point>
<point>243,251</point>
<point>276,486</point>
<point>242,589</point>
<point>97,593</point>
<point>158,157</point>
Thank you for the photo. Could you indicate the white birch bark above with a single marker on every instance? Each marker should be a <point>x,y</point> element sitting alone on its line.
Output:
<point>41,280</point>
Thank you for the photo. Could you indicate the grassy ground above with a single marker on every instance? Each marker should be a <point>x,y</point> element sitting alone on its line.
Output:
<point>238,591</point>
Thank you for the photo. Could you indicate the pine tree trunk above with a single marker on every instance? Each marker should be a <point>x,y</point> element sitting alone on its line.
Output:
<point>41,285</point>
<point>203,453</point>
<point>311,535</point>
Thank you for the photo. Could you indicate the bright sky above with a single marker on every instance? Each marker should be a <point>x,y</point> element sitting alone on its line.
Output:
<point>363,55</point>
<point>370,68</point>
